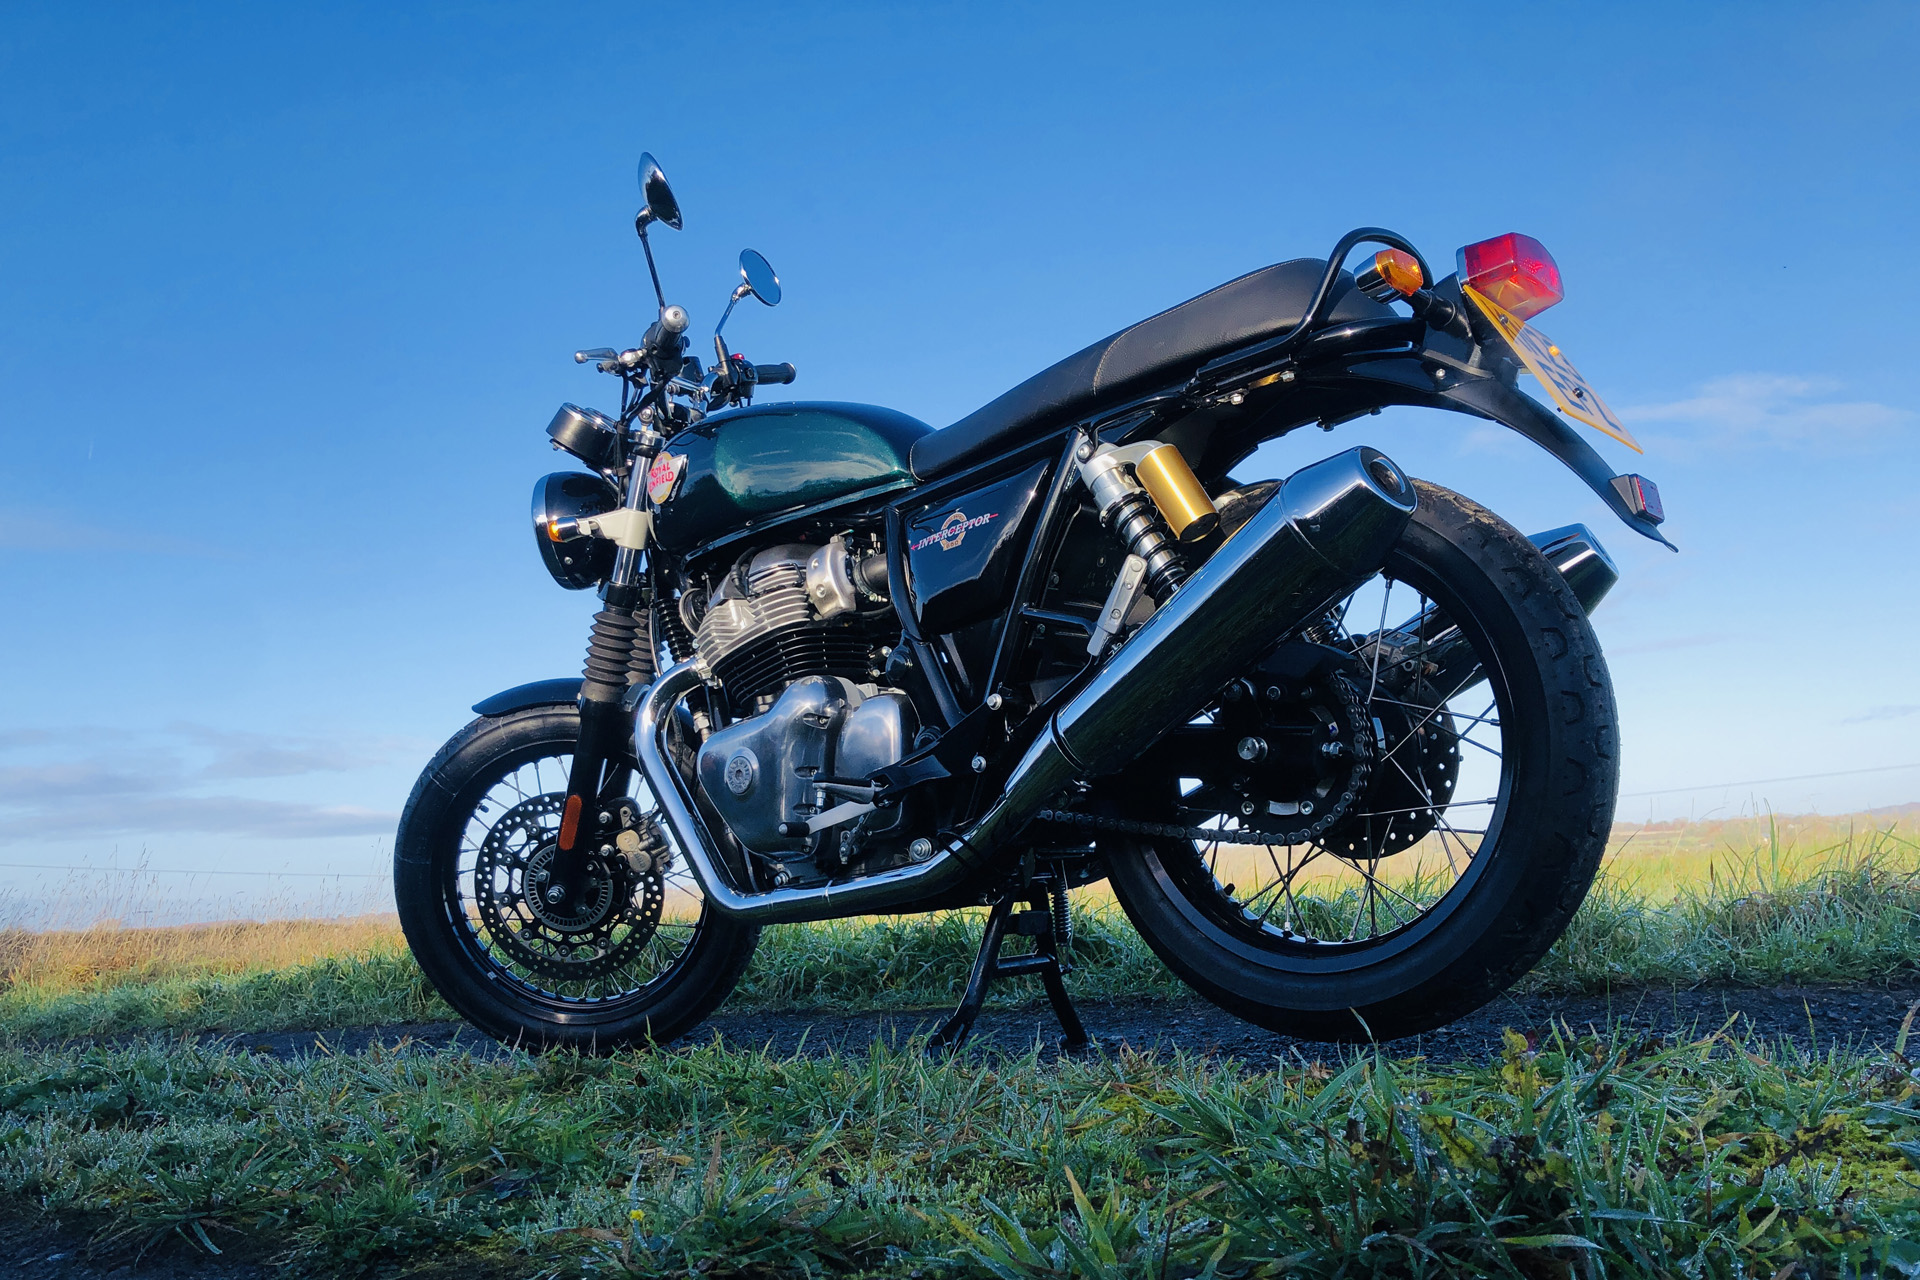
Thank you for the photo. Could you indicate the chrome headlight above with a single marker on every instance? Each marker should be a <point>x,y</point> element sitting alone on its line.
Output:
<point>567,495</point>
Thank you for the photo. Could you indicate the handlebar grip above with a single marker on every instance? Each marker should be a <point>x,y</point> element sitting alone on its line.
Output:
<point>773,373</point>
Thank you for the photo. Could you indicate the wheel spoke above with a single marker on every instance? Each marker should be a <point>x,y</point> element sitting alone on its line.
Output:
<point>1338,888</point>
<point>1379,639</point>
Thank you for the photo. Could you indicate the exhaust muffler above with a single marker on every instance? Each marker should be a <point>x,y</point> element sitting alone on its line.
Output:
<point>1325,532</point>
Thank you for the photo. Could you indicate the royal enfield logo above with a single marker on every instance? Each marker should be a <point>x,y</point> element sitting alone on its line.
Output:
<point>953,530</point>
<point>663,475</point>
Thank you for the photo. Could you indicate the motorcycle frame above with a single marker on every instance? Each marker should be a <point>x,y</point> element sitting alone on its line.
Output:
<point>1310,375</point>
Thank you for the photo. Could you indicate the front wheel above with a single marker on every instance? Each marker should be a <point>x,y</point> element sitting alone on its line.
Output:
<point>638,956</point>
<point>1389,821</point>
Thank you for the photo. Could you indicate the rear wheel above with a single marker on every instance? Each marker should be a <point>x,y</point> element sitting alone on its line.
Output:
<point>638,956</point>
<point>1393,818</point>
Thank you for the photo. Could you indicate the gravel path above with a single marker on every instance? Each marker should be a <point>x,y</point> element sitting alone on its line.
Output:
<point>1810,1017</point>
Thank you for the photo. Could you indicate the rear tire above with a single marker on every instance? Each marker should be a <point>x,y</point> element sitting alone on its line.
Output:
<point>659,960</point>
<point>1521,884</point>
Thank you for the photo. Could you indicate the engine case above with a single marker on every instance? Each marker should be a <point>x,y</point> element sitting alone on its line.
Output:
<point>759,774</point>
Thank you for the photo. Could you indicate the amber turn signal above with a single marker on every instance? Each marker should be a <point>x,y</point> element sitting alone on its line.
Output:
<point>1394,274</point>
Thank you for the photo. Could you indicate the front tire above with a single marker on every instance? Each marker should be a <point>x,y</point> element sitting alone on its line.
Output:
<point>1352,935</point>
<point>644,961</point>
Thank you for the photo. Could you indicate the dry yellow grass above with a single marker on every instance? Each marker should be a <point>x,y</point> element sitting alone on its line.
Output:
<point>1657,861</point>
<point>1653,862</point>
<point>107,954</point>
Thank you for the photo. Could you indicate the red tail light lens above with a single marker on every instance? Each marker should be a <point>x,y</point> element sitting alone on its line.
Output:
<point>1514,271</point>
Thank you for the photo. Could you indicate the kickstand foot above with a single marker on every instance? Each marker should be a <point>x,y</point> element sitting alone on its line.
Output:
<point>1045,924</point>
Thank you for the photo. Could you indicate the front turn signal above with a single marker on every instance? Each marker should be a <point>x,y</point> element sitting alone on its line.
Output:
<point>1394,274</point>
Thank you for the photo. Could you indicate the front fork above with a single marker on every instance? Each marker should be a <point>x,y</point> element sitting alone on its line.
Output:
<point>619,655</point>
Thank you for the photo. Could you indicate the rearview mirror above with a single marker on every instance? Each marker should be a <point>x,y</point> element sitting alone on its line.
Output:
<point>660,206</point>
<point>762,283</point>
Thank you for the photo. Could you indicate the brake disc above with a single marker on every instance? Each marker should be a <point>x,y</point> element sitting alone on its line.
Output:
<point>596,933</point>
<point>1416,766</point>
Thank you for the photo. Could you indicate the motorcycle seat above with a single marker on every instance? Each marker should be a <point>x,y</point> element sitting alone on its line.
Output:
<point>1160,350</point>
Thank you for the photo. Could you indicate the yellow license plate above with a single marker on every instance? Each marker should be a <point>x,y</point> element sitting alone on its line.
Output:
<point>1543,360</point>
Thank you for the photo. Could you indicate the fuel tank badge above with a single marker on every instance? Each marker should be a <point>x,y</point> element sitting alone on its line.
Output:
<point>953,530</point>
<point>663,475</point>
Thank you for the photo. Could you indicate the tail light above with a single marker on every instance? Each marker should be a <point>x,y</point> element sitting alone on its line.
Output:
<point>1514,271</point>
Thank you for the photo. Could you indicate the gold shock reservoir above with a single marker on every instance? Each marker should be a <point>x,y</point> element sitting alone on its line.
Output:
<point>1177,492</point>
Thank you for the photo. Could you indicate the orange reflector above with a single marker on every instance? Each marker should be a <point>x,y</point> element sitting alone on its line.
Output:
<point>553,531</point>
<point>570,822</point>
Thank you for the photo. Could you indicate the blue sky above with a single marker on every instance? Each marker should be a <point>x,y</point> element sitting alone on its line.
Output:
<point>286,299</point>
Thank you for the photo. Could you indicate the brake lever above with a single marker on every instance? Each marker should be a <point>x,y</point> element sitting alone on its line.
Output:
<point>607,360</point>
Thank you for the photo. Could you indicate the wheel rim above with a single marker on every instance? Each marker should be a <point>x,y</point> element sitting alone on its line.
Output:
<point>1407,854</point>
<point>634,930</point>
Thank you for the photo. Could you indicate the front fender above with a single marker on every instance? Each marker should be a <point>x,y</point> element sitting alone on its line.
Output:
<point>540,693</point>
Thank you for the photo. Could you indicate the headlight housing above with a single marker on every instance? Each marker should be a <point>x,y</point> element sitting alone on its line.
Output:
<point>568,495</point>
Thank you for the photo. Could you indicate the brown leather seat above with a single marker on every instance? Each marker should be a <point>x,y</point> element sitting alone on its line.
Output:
<point>1158,351</point>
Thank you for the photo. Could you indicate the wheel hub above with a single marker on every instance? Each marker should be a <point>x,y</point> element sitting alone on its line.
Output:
<point>580,912</point>
<point>588,934</point>
<point>1289,750</point>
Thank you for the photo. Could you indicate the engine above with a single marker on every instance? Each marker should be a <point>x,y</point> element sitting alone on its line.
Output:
<point>792,635</point>
<point>790,611</point>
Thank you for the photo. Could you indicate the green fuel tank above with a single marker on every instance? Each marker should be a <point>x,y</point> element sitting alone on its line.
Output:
<point>753,465</point>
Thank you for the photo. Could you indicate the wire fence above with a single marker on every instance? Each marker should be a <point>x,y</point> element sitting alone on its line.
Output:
<point>140,869</point>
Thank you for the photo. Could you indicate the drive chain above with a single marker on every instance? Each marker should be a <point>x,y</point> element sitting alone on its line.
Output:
<point>1356,786</point>
<point>1210,835</point>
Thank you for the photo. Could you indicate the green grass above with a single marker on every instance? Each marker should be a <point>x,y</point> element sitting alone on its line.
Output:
<point>1764,916</point>
<point>1585,1158</point>
<point>1574,1158</point>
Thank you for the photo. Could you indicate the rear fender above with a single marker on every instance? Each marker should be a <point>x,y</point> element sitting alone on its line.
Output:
<point>1484,392</point>
<point>1489,398</point>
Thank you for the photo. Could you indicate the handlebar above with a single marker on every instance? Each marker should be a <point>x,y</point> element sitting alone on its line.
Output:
<point>773,373</point>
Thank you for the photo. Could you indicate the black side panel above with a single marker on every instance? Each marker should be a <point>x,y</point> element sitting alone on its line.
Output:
<point>541,693</point>
<point>961,550</point>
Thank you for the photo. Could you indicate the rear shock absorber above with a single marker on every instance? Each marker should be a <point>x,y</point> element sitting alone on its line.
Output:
<point>1147,518</point>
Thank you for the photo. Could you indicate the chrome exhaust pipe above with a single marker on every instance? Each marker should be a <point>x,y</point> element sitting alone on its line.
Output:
<point>1326,531</point>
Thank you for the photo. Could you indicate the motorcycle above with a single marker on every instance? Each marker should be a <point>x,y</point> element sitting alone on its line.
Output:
<point>1342,744</point>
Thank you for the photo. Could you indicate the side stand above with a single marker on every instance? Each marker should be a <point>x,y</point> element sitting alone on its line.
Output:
<point>1049,906</point>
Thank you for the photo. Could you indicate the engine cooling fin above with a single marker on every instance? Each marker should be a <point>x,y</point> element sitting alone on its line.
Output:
<point>771,661</point>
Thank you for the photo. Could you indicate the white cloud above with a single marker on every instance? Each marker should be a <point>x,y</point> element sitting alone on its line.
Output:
<point>63,783</point>
<point>1898,712</point>
<point>1772,409</point>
